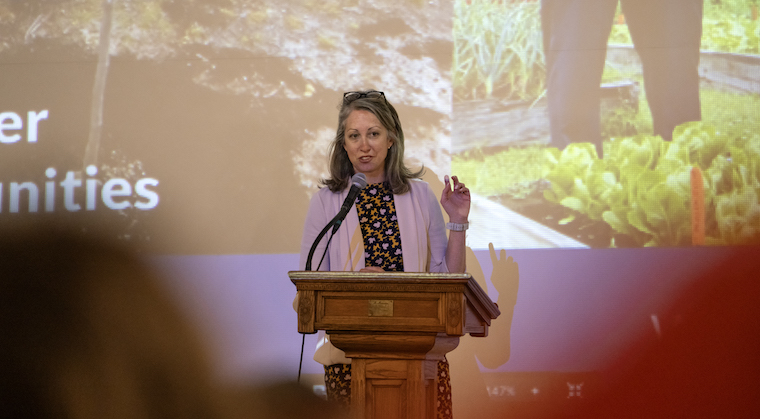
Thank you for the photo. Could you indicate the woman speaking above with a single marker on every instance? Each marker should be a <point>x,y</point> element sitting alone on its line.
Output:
<point>396,224</point>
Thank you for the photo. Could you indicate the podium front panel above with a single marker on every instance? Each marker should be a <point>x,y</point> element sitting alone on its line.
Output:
<point>387,311</point>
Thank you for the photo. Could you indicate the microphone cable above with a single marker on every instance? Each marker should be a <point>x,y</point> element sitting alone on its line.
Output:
<point>329,239</point>
<point>300,363</point>
<point>303,335</point>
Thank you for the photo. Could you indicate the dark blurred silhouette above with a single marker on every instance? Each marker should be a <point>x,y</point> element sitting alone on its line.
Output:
<point>288,400</point>
<point>88,332</point>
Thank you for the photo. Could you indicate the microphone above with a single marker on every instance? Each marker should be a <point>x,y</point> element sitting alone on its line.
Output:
<point>358,182</point>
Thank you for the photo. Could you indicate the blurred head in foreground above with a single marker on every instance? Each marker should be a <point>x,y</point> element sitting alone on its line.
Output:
<point>88,333</point>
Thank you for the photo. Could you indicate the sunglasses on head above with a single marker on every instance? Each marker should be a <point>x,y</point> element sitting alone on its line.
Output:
<point>349,97</point>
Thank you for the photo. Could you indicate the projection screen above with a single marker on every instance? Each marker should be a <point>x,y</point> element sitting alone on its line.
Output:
<point>199,130</point>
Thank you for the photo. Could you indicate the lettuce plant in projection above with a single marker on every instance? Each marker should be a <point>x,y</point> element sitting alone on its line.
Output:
<point>735,180</point>
<point>642,186</point>
<point>579,181</point>
<point>657,209</point>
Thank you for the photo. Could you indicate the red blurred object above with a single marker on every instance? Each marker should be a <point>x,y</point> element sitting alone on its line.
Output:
<point>706,363</point>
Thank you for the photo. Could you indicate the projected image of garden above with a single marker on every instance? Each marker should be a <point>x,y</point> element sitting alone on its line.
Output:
<point>630,189</point>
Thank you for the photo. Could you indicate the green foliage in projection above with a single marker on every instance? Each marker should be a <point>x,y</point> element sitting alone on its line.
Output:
<point>514,172</point>
<point>727,31</point>
<point>728,26</point>
<point>641,187</point>
<point>498,50</point>
<point>735,180</point>
<point>578,180</point>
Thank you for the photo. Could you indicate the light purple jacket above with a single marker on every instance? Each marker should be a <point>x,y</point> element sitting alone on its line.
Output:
<point>420,222</point>
<point>423,242</point>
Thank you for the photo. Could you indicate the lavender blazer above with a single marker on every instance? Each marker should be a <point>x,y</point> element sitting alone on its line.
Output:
<point>423,242</point>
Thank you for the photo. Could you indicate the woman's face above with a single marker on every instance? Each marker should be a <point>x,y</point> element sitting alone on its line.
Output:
<point>367,144</point>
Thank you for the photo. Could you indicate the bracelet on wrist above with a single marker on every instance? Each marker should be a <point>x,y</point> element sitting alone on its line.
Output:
<point>458,226</point>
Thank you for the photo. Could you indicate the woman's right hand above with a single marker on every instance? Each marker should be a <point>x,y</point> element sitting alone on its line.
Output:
<point>455,200</point>
<point>375,269</point>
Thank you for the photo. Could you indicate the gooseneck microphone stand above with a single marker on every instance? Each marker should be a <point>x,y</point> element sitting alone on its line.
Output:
<point>358,182</point>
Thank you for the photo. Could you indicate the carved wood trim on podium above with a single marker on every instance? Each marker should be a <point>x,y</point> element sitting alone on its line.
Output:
<point>395,327</point>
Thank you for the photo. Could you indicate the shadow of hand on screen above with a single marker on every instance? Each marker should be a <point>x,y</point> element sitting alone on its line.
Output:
<point>469,389</point>
<point>505,277</point>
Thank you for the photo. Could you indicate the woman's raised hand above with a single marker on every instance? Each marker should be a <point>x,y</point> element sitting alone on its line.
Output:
<point>455,200</point>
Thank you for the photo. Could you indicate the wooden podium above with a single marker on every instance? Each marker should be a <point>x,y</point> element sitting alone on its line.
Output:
<point>395,327</point>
